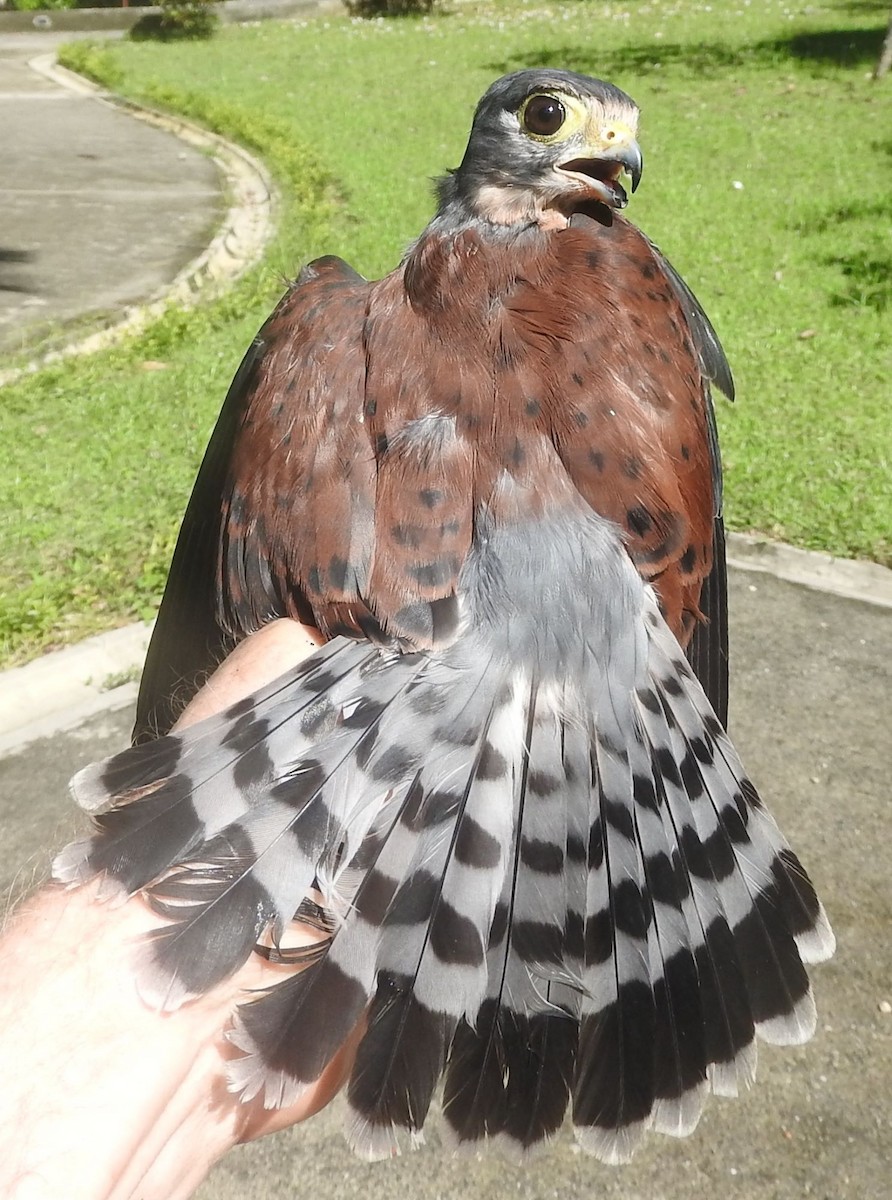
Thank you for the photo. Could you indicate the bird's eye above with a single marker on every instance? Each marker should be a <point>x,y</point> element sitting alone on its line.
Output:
<point>542,115</point>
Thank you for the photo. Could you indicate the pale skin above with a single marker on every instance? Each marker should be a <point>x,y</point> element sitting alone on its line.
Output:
<point>102,1098</point>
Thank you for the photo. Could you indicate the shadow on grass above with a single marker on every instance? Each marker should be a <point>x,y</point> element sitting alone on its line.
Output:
<point>820,49</point>
<point>865,6</point>
<point>869,281</point>
<point>877,213</point>
<point>197,25</point>
<point>868,273</point>
<point>846,48</point>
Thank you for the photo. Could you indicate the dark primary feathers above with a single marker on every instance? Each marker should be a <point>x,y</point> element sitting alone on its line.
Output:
<point>492,479</point>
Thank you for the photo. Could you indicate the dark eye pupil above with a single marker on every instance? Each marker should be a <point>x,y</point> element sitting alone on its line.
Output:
<point>544,115</point>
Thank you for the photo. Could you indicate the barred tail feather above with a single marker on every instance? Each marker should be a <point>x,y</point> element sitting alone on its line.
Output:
<point>157,803</point>
<point>728,1030</point>
<point>550,888</point>
<point>614,1087</point>
<point>257,871</point>
<point>510,1067</point>
<point>289,1035</point>
<point>542,1045</point>
<point>679,1051</point>
<point>431,960</point>
<point>732,845</point>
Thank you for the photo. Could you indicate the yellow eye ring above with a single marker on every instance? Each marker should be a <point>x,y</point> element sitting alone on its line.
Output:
<point>542,116</point>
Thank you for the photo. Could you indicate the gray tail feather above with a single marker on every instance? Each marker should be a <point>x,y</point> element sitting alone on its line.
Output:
<point>156,803</point>
<point>511,1064</point>
<point>545,906</point>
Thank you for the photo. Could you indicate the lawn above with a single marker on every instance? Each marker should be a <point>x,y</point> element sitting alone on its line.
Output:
<point>768,182</point>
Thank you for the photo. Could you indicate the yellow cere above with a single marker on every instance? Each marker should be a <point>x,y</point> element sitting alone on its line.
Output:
<point>609,134</point>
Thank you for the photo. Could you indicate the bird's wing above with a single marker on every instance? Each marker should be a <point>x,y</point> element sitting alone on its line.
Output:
<point>289,439</point>
<point>640,444</point>
<point>707,650</point>
<point>337,488</point>
<point>647,454</point>
<point>712,357</point>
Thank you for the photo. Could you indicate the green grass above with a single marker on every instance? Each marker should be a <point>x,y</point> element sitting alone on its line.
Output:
<point>354,118</point>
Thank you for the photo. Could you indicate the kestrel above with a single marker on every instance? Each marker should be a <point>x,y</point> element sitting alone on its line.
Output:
<point>491,479</point>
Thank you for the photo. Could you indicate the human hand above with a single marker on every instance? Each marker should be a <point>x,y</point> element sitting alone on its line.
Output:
<point>102,1097</point>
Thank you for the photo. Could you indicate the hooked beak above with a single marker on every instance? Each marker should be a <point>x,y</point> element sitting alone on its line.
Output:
<point>617,151</point>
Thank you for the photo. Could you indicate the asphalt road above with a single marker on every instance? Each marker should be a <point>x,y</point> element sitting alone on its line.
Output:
<point>810,714</point>
<point>97,211</point>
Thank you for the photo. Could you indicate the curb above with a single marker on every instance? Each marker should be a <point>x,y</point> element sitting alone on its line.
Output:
<point>851,579</point>
<point>239,242</point>
<point>66,687</point>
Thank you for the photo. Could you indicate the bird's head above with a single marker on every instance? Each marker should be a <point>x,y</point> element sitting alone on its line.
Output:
<point>545,145</point>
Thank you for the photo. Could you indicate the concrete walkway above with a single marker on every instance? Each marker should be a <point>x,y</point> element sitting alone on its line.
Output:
<point>99,211</point>
<point>810,706</point>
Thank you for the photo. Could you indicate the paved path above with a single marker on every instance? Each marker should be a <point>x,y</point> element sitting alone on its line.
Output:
<point>97,210</point>
<point>810,715</point>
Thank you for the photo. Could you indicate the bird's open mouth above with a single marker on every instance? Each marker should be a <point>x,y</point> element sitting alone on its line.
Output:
<point>603,178</point>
